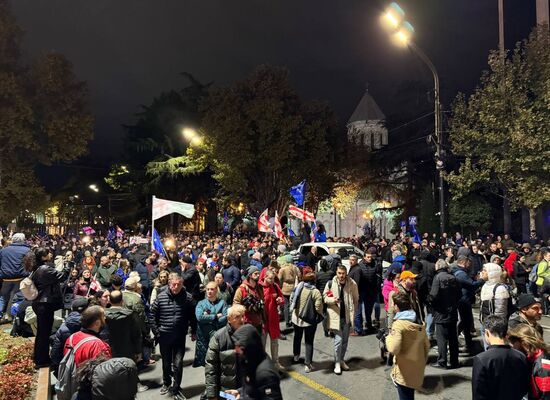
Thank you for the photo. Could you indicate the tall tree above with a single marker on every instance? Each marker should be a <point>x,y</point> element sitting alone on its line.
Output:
<point>502,129</point>
<point>259,139</point>
<point>43,119</point>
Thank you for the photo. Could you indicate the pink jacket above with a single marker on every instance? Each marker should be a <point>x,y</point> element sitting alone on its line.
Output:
<point>386,289</point>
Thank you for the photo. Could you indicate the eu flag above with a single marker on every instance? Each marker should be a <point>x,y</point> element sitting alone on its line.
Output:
<point>299,192</point>
<point>157,243</point>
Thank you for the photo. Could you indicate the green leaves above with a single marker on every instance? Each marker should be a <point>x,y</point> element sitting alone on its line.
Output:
<point>502,129</point>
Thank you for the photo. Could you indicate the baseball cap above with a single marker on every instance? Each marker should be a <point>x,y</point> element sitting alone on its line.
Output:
<point>407,274</point>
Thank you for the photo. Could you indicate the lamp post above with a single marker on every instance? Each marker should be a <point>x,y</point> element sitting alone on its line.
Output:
<point>402,32</point>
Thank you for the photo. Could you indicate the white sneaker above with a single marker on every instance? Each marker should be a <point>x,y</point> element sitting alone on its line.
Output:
<point>345,366</point>
<point>308,368</point>
<point>337,369</point>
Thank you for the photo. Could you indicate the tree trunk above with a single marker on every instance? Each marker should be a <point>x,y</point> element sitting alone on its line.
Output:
<point>532,219</point>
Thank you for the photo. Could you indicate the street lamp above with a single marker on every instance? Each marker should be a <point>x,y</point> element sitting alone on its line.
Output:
<point>401,32</point>
<point>192,136</point>
<point>94,188</point>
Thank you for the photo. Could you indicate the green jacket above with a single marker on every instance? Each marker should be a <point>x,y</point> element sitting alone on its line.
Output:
<point>220,369</point>
<point>132,301</point>
<point>543,272</point>
<point>124,332</point>
<point>104,275</point>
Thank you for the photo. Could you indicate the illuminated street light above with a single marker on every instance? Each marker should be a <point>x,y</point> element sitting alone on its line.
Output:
<point>192,136</point>
<point>401,33</point>
<point>94,188</point>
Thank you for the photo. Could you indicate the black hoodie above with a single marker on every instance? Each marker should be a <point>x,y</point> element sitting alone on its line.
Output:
<point>257,373</point>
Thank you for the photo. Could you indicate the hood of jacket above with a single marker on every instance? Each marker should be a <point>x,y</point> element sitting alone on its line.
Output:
<point>494,272</point>
<point>249,339</point>
<point>407,315</point>
<point>117,313</point>
<point>115,379</point>
<point>73,321</point>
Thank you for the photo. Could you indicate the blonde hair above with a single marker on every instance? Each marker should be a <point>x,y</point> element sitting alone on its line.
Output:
<point>528,337</point>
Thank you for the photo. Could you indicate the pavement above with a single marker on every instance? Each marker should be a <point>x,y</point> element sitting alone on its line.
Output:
<point>368,377</point>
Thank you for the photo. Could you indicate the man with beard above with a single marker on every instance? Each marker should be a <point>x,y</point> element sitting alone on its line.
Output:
<point>258,376</point>
<point>251,295</point>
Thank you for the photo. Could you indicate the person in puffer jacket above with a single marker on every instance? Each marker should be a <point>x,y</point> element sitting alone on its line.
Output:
<point>70,326</point>
<point>494,296</point>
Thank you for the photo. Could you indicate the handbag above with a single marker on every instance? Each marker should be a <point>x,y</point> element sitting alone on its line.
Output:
<point>308,313</point>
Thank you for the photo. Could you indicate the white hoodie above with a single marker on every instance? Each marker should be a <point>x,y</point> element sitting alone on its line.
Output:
<point>501,294</point>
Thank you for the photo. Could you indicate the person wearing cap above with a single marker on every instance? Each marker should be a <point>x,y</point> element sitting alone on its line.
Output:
<point>407,280</point>
<point>443,299</point>
<point>251,295</point>
<point>12,271</point>
<point>529,313</point>
<point>468,287</point>
<point>131,297</point>
<point>70,326</point>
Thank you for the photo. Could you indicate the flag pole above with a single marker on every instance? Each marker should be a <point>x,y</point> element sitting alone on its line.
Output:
<point>152,224</point>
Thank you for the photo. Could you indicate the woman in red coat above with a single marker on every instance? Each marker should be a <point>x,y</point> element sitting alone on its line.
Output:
<point>273,298</point>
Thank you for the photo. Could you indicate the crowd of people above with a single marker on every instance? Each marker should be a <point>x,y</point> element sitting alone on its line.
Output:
<point>230,293</point>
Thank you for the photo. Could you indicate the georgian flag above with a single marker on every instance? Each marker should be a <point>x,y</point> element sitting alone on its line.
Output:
<point>299,213</point>
<point>263,222</point>
<point>278,228</point>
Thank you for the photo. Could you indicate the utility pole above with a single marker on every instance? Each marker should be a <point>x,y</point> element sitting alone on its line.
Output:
<point>542,12</point>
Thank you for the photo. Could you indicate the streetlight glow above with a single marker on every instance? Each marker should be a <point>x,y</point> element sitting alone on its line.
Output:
<point>189,133</point>
<point>404,35</point>
<point>392,18</point>
<point>94,188</point>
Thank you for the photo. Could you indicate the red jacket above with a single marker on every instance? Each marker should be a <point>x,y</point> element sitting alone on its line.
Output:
<point>88,350</point>
<point>271,294</point>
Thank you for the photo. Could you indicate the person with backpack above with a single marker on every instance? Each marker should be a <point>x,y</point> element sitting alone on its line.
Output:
<point>527,340</point>
<point>494,296</point>
<point>80,347</point>
<point>43,288</point>
<point>305,295</point>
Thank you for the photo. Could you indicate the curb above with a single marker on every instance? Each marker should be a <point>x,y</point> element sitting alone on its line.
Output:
<point>43,385</point>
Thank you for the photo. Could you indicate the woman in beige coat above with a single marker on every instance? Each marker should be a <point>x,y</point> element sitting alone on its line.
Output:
<point>341,296</point>
<point>409,344</point>
<point>289,276</point>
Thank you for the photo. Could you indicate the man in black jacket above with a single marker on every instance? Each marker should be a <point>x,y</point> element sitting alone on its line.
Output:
<point>443,298</point>
<point>371,288</point>
<point>172,311</point>
<point>500,372</point>
<point>258,376</point>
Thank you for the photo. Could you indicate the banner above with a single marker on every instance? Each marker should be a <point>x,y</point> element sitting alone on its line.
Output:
<point>163,207</point>
<point>157,243</point>
<point>263,222</point>
<point>278,228</point>
<point>301,214</point>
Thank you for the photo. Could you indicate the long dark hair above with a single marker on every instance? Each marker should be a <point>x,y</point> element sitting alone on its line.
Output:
<point>35,258</point>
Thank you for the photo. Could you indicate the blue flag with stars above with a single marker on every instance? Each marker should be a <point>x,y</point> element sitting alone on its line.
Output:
<point>298,192</point>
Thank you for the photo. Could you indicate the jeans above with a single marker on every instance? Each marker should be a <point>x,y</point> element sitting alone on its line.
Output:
<point>370,302</point>
<point>172,350</point>
<point>341,341</point>
<point>466,321</point>
<point>404,392</point>
<point>286,310</point>
<point>430,326</point>
<point>358,317</point>
<point>44,323</point>
<point>7,290</point>
<point>446,336</point>
<point>309,338</point>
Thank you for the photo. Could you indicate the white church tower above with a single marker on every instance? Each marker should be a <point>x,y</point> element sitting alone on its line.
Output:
<point>366,124</point>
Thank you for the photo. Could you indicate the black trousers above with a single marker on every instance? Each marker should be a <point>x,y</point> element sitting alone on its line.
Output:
<point>309,338</point>
<point>172,351</point>
<point>446,336</point>
<point>466,321</point>
<point>44,321</point>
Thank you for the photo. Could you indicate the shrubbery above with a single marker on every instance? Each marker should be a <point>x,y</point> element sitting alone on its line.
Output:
<point>17,373</point>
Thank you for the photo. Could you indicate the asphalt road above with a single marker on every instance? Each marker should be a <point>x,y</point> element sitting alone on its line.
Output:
<point>367,379</point>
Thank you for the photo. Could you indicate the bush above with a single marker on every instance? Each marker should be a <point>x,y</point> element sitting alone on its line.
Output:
<point>17,373</point>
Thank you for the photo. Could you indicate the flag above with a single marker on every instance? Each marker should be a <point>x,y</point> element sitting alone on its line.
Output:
<point>94,285</point>
<point>119,232</point>
<point>301,214</point>
<point>291,232</point>
<point>278,228</point>
<point>111,233</point>
<point>263,222</point>
<point>225,222</point>
<point>164,207</point>
<point>88,230</point>
<point>313,231</point>
<point>298,192</point>
<point>157,243</point>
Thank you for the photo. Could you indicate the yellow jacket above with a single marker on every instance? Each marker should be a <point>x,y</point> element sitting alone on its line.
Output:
<point>409,344</point>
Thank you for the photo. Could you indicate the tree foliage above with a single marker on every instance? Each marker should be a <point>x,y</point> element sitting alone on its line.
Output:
<point>259,139</point>
<point>502,129</point>
<point>43,119</point>
<point>470,213</point>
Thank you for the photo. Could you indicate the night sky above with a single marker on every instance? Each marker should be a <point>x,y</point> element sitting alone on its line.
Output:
<point>130,50</point>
